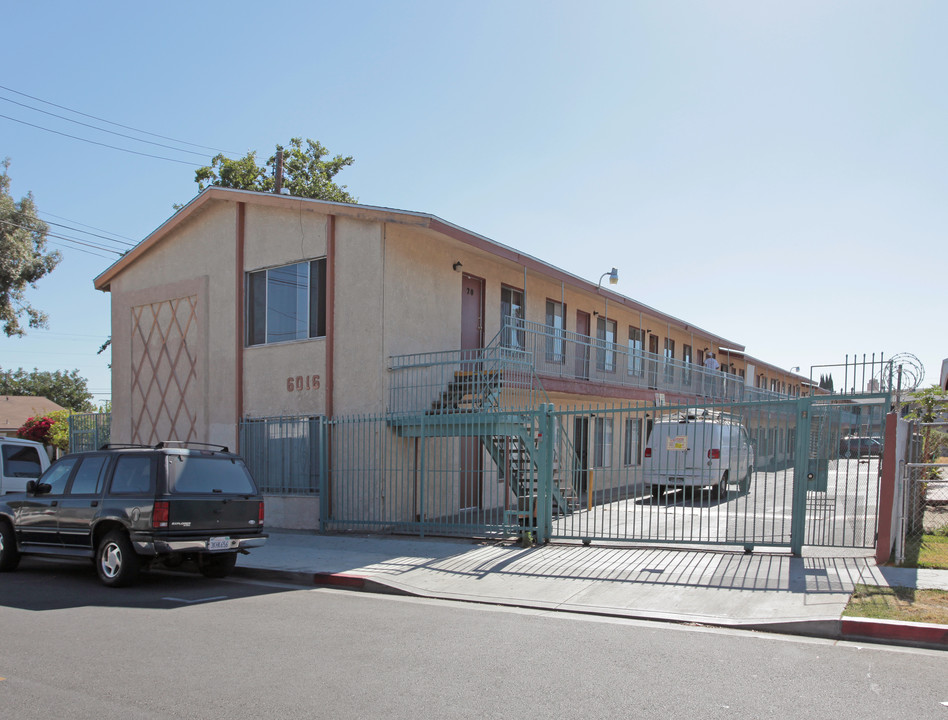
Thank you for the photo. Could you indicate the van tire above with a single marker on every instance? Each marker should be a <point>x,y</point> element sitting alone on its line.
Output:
<point>656,491</point>
<point>9,555</point>
<point>722,487</point>
<point>746,482</point>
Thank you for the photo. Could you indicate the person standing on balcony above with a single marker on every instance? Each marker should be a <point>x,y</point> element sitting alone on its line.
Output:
<point>710,363</point>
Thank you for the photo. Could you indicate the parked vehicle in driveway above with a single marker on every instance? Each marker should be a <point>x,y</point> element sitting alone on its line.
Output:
<point>855,446</point>
<point>20,461</point>
<point>130,507</point>
<point>697,448</point>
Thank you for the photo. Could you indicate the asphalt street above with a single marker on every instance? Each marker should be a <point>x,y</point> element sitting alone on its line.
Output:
<point>179,645</point>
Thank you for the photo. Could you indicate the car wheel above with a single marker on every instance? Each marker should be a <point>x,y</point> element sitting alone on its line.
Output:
<point>746,482</point>
<point>116,561</point>
<point>9,555</point>
<point>657,491</point>
<point>217,566</point>
<point>722,488</point>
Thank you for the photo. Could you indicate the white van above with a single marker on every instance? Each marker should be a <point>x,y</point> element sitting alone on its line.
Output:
<point>697,448</point>
<point>20,461</point>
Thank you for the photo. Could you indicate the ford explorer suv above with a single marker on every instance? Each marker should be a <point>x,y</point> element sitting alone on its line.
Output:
<point>698,448</point>
<point>130,507</point>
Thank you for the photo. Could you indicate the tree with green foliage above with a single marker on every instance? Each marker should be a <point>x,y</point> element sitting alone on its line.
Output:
<point>929,406</point>
<point>826,382</point>
<point>23,258</point>
<point>67,389</point>
<point>305,172</point>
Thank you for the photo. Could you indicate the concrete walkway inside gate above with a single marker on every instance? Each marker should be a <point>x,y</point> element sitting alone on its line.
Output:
<point>767,590</point>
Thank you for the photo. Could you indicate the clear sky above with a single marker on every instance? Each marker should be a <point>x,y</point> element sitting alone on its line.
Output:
<point>775,173</point>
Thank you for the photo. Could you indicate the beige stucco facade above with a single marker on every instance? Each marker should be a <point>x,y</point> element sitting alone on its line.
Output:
<point>183,369</point>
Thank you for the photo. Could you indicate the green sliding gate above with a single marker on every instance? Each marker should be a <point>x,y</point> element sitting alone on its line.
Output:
<point>806,473</point>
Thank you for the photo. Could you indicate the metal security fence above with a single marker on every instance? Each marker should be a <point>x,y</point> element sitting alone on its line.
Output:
<point>925,498</point>
<point>432,473</point>
<point>89,431</point>
<point>776,473</point>
<point>284,454</point>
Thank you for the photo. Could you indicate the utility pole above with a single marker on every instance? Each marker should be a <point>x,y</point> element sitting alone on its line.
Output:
<point>278,174</point>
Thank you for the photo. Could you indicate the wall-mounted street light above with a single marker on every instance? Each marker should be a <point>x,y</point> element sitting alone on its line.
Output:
<point>613,276</point>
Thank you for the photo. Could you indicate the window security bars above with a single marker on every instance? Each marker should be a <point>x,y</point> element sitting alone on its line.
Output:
<point>284,454</point>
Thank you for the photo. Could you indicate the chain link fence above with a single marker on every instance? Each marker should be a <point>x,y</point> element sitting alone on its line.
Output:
<point>926,497</point>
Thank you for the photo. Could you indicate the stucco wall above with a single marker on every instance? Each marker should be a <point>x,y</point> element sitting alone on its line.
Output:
<point>197,261</point>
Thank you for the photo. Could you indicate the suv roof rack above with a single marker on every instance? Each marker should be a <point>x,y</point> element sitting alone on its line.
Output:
<point>122,446</point>
<point>189,443</point>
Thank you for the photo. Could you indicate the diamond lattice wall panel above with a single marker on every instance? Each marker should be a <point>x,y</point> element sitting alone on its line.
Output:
<point>164,371</point>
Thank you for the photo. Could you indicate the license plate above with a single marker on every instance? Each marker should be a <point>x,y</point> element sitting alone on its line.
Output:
<point>218,543</point>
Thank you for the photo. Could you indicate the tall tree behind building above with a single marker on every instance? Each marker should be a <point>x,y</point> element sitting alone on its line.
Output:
<point>23,258</point>
<point>305,172</point>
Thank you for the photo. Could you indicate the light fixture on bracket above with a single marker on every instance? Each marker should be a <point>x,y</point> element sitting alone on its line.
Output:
<point>457,266</point>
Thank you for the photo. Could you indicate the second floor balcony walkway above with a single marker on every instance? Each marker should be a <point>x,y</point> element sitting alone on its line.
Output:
<point>524,352</point>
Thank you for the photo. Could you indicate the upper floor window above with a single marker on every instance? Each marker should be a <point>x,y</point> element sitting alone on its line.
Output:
<point>286,303</point>
<point>636,348</point>
<point>512,317</point>
<point>606,347</point>
<point>556,332</point>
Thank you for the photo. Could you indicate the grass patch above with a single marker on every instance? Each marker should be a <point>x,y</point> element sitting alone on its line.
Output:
<point>899,603</point>
<point>928,551</point>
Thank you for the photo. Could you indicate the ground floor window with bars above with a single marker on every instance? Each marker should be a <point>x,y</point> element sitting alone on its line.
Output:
<point>283,453</point>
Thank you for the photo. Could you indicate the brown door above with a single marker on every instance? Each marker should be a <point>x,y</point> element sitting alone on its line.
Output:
<point>582,345</point>
<point>472,338</point>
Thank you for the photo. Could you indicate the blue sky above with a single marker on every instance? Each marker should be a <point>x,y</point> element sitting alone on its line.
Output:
<point>775,173</point>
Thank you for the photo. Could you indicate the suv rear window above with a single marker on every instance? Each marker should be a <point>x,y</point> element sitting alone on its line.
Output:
<point>191,475</point>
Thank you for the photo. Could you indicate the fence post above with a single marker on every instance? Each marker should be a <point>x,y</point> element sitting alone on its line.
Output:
<point>885,536</point>
<point>545,474</point>
<point>322,436</point>
<point>800,469</point>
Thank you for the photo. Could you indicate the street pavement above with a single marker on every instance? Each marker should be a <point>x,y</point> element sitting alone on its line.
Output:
<point>767,591</point>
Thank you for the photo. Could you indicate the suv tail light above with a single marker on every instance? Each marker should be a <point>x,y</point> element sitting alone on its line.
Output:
<point>260,514</point>
<point>159,516</point>
<point>648,452</point>
<point>714,454</point>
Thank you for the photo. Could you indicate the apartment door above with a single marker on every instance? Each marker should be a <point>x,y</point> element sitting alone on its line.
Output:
<point>472,339</point>
<point>581,448</point>
<point>582,345</point>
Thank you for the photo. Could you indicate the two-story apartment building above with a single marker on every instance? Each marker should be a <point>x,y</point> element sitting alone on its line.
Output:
<point>249,305</point>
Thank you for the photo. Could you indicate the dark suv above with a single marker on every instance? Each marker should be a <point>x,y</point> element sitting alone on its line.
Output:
<point>127,507</point>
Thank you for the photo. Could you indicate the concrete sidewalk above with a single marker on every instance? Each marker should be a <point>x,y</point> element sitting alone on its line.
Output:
<point>770,591</point>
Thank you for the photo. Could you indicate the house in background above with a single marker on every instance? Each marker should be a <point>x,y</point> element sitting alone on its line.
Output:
<point>17,409</point>
<point>248,305</point>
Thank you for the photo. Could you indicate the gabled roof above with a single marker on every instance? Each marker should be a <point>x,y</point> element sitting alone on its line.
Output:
<point>17,409</point>
<point>388,215</point>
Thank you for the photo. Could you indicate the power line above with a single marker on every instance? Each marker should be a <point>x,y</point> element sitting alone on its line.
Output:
<point>67,238</point>
<point>76,222</point>
<point>127,127</point>
<point>103,237</point>
<point>93,142</point>
<point>111,132</point>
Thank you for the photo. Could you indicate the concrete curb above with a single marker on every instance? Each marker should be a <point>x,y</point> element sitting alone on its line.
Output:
<point>888,632</point>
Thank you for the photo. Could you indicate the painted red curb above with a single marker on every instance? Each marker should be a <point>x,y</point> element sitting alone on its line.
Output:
<point>339,580</point>
<point>927,633</point>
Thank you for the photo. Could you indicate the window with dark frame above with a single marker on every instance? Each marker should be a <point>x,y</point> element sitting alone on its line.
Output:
<point>602,452</point>
<point>636,348</point>
<point>632,452</point>
<point>512,315</point>
<point>556,332</point>
<point>286,303</point>
<point>606,344</point>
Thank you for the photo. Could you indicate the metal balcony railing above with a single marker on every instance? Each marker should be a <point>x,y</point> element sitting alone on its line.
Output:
<point>562,354</point>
